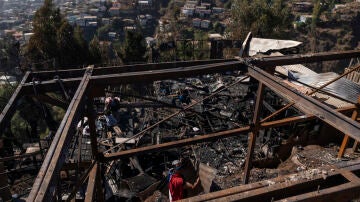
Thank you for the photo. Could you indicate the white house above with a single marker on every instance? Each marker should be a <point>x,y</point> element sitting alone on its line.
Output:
<point>188,12</point>
<point>196,22</point>
<point>205,24</point>
<point>217,10</point>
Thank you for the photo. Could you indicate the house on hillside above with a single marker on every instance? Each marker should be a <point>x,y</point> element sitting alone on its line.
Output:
<point>205,24</point>
<point>114,11</point>
<point>196,22</point>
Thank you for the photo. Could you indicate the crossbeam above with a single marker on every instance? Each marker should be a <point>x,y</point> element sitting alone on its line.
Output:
<point>272,61</point>
<point>102,74</point>
<point>10,107</point>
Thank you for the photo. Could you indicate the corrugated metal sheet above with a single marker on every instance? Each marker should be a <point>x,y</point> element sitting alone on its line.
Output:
<point>329,100</point>
<point>259,45</point>
<point>342,88</point>
<point>298,68</point>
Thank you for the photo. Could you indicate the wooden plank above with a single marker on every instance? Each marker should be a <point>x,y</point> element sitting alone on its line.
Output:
<point>346,137</point>
<point>90,190</point>
<point>10,108</point>
<point>341,193</point>
<point>254,132</point>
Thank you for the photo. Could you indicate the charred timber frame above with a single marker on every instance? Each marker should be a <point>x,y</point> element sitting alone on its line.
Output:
<point>10,107</point>
<point>254,131</point>
<point>43,186</point>
<point>45,182</point>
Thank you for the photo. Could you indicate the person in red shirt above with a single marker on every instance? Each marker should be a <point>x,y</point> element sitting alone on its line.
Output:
<point>177,184</point>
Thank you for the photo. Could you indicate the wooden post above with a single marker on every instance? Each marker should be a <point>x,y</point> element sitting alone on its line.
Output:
<point>346,137</point>
<point>254,132</point>
<point>356,143</point>
<point>92,127</point>
<point>4,186</point>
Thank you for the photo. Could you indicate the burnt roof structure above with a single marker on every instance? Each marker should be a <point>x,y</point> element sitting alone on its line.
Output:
<point>89,83</point>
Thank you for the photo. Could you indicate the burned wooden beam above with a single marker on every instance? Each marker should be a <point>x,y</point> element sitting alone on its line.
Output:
<point>91,186</point>
<point>10,108</point>
<point>74,73</point>
<point>254,131</point>
<point>297,119</point>
<point>193,69</point>
<point>346,137</point>
<point>272,61</point>
<point>173,144</point>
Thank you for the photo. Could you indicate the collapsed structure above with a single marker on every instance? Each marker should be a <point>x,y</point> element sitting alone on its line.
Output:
<point>220,116</point>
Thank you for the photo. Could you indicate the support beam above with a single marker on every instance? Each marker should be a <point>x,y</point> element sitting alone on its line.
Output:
<point>346,137</point>
<point>100,189</point>
<point>102,81</point>
<point>173,144</point>
<point>244,50</point>
<point>10,108</point>
<point>297,119</point>
<point>254,132</point>
<point>342,193</point>
<point>92,127</point>
<point>273,61</point>
<point>81,181</point>
<point>127,76</point>
<point>174,73</point>
<point>90,190</point>
<point>74,73</point>
<point>308,104</point>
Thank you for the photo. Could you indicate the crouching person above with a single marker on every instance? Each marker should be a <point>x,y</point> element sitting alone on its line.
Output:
<point>177,183</point>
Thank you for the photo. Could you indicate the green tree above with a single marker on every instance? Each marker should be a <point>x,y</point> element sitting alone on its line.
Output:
<point>264,18</point>
<point>95,51</point>
<point>117,24</point>
<point>218,27</point>
<point>315,15</point>
<point>66,44</point>
<point>54,39</point>
<point>82,46</point>
<point>134,48</point>
<point>42,45</point>
<point>103,31</point>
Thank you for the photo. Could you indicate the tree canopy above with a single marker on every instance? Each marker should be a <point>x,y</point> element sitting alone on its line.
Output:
<point>264,18</point>
<point>134,48</point>
<point>54,41</point>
